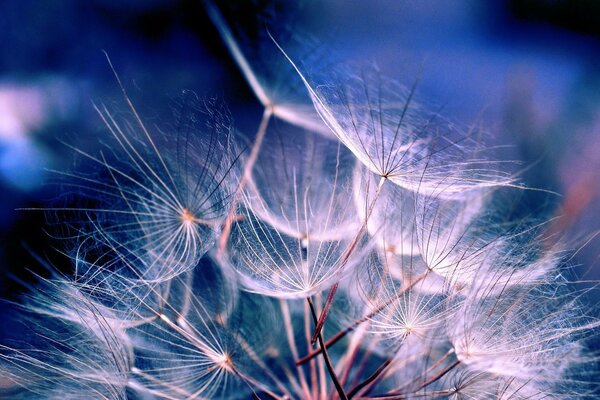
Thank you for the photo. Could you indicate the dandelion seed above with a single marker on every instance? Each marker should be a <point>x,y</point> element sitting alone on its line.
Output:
<point>70,347</point>
<point>190,351</point>
<point>162,196</point>
<point>510,334</point>
<point>379,121</point>
<point>274,264</point>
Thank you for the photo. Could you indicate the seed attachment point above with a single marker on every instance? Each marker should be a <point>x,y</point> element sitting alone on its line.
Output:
<point>187,217</point>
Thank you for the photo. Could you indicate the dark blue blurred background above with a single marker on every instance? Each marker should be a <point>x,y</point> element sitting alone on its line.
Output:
<point>529,69</point>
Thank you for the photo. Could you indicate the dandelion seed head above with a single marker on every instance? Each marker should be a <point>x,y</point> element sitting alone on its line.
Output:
<point>362,254</point>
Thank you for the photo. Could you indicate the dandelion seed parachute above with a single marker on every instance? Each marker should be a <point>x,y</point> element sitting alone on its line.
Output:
<point>399,320</point>
<point>463,384</point>
<point>530,333</point>
<point>380,122</point>
<point>459,242</point>
<point>295,234</point>
<point>402,311</point>
<point>185,358</point>
<point>274,264</point>
<point>160,195</point>
<point>202,346</point>
<point>70,346</point>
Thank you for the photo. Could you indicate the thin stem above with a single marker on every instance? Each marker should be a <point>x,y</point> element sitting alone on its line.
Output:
<point>396,395</point>
<point>370,379</point>
<point>236,52</point>
<point>347,362</point>
<point>440,375</point>
<point>362,364</point>
<point>312,364</point>
<point>289,330</point>
<point>330,369</point>
<point>435,394</point>
<point>431,368</point>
